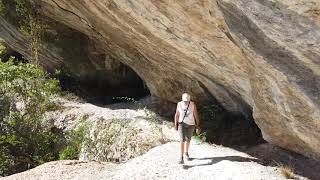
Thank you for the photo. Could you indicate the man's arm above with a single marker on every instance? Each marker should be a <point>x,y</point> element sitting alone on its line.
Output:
<point>196,115</point>
<point>176,118</point>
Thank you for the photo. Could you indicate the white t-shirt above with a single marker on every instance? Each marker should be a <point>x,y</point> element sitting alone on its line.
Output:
<point>189,118</point>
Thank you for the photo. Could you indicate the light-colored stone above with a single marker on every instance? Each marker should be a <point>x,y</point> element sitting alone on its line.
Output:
<point>251,55</point>
<point>283,48</point>
<point>211,162</point>
<point>113,134</point>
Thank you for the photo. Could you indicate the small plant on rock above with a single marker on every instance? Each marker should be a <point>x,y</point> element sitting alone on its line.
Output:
<point>202,137</point>
<point>286,171</point>
<point>75,139</point>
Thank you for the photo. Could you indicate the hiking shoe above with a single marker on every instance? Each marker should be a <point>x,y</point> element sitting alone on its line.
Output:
<point>188,157</point>
<point>181,160</point>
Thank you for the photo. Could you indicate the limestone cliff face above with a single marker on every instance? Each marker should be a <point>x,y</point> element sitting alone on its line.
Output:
<point>281,41</point>
<point>250,55</point>
<point>20,43</point>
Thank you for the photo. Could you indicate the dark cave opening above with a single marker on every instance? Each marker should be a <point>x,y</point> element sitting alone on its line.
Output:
<point>220,126</point>
<point>101,90</point>
<point>229,129</point>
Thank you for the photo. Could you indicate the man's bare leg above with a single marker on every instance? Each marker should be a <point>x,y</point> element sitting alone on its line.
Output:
<point>182,148</point>
<point>182,151</point>
<point>187,148</point>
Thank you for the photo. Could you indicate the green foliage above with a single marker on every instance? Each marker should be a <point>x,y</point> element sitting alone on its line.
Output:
<point>27,138</point>
<point>202,137</point>
<point>75,139</point>
<point>17,12</point>
<point>25,16</point>
<point>105,137</point>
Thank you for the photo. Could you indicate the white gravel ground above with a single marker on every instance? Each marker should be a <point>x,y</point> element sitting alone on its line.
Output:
<point>209,162</point>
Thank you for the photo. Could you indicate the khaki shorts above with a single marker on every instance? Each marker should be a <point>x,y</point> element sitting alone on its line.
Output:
<point>185,131</point>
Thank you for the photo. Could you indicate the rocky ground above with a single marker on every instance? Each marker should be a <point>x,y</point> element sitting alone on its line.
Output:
<point>208,162</point>
<point>157,158</point>
<point>115,132</point>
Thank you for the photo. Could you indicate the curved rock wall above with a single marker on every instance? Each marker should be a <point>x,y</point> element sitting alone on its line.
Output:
<point>20,43</point>
<point>250,55</point>
<point>281,40</point>
<point>86,68</point>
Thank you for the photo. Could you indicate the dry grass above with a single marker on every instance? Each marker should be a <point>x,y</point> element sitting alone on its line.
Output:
<point>287,171</point>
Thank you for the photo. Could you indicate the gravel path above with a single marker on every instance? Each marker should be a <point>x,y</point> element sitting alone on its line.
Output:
<point>208,162</point>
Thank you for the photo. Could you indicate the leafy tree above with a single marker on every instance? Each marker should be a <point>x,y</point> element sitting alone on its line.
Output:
<point>27,137</point>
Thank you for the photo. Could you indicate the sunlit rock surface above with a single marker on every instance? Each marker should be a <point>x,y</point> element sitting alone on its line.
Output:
<point>252,56</point>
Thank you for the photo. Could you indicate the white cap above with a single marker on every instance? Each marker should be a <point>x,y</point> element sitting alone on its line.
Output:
<point>185,97</point>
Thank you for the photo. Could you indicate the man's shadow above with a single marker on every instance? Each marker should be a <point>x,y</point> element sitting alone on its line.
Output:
<point>218,159</point>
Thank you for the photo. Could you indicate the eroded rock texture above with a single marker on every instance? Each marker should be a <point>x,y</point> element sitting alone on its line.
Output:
<point>260,56</point>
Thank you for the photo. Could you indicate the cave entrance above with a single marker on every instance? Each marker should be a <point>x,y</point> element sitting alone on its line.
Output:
<point>103,88</point>
<point>91,72</point>
<point>229,129</point>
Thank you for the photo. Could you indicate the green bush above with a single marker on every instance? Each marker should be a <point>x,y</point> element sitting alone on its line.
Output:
<point>27,138</point>
<point>75,138</point>
<point>202,137</point>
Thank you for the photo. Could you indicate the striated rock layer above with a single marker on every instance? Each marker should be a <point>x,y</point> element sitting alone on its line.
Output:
<point>252,56</point>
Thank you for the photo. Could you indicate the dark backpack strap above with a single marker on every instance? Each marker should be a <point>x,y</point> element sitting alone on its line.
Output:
<point>185,113</point>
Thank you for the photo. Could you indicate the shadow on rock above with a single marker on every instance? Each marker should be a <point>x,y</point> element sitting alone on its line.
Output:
<point>214,160</point>
<point>270,155</point>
